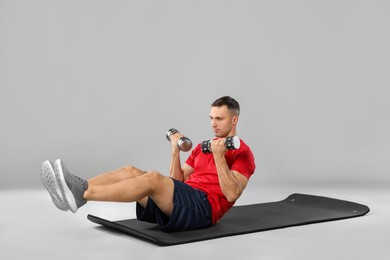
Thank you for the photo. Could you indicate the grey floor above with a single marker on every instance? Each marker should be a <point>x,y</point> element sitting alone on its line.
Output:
<point>32,228</point>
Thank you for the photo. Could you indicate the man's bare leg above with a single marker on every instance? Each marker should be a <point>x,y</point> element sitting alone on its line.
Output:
<point>121,174</point>
<point>75,191</point>
<point>152,184</point>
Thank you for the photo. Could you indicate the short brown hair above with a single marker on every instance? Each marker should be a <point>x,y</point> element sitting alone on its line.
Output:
<point>230,102</point>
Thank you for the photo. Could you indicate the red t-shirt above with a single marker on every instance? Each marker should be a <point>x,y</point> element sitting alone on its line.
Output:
<point>205,176</point>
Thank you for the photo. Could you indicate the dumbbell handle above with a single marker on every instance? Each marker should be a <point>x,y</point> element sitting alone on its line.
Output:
<point>231,143</point>
<point>184,143</point>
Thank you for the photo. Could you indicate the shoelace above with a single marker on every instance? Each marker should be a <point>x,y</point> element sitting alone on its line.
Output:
<point>77,179</point>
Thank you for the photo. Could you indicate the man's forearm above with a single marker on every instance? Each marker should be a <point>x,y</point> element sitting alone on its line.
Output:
<point>175,170</point>
<point>230,185</point>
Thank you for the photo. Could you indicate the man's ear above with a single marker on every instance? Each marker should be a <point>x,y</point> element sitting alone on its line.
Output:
<point>235,120</point>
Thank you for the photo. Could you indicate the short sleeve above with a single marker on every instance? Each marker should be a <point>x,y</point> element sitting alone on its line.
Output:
<point>244,163</point>
<point>191,159</point>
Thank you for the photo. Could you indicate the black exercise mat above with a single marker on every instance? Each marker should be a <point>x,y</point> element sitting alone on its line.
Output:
<point>295,210</point>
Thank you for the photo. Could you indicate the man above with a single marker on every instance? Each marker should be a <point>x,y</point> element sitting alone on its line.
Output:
<point>196,195</point>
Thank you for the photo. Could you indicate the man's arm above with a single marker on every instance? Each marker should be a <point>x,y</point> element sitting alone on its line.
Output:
<point>176,171</point>
<point>232,183</point>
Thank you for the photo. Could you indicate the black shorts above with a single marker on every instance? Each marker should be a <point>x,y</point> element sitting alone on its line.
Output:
<point>191,210</point>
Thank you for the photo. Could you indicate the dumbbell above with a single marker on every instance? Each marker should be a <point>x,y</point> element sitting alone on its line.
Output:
<point>231,143</point>
<point>184,143</point>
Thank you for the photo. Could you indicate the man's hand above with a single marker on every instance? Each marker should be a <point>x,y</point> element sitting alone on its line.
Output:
<point>174,138</point>
<point>218,147</point>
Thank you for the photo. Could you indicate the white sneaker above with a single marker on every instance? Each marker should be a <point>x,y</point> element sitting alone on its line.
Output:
<point>72,187</point>
<point>50,182</point>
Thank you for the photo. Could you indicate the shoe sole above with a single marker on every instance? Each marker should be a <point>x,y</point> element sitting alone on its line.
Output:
<point>49,181</point>
<point>66,192</point>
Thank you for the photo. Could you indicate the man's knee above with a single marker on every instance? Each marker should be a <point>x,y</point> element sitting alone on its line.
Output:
<point>155,178</point>
<point>127,168</point>
<point>154,175</point>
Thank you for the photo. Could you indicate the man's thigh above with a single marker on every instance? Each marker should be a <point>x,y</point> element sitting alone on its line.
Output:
<point>162,193</point>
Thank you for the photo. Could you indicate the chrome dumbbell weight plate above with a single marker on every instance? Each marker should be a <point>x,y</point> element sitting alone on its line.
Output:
<point>184,143</point>
<point>231,143</point>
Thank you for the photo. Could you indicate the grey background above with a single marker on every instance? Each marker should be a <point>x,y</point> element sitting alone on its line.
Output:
<point>97,83</point>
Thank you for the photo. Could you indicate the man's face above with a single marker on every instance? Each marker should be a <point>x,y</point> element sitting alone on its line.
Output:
<point>222,121</point>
